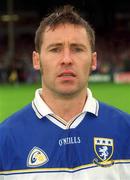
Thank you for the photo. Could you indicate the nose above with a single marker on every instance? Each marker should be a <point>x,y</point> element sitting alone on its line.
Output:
<point>66,59</point>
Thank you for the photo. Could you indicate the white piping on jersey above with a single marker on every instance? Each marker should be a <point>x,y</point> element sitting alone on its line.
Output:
<point>74,122</point>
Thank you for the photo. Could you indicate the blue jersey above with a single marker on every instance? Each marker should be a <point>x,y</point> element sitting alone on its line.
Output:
<point>98,148</point>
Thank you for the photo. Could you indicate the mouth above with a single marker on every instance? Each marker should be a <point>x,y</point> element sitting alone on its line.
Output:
<point>67,73</point>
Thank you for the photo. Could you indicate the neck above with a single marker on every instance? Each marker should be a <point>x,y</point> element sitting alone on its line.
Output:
<point>65,107</point>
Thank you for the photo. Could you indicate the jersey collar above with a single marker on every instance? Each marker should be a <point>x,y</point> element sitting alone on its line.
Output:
<point>42,109</point>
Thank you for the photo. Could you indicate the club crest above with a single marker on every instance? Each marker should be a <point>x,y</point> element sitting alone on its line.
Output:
<point>37,157</point>
<point>103,148</point>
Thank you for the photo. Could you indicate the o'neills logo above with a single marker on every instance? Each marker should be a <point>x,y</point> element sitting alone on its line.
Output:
<point>69,140</point>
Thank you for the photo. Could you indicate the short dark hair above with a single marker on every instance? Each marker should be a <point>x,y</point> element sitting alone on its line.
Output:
<point>63,15</point>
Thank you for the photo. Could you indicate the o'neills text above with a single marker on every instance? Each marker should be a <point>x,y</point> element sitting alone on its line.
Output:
<point>69,140</point>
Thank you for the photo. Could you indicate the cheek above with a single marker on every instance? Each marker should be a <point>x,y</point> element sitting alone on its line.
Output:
<point>86,68</point>
<point>43,65</point>
<point>47,71</point>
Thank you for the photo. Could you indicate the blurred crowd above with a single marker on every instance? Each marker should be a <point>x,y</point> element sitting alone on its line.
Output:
<point>18,68</point>
<point>113,51</point>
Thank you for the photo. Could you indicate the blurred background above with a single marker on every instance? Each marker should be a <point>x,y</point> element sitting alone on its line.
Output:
<point>19,21</point>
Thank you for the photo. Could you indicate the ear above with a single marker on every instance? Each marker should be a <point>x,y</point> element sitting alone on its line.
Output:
<point>36,60</point>
<point>94,61</point>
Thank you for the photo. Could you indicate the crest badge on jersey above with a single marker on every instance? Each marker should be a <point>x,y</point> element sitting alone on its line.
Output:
<point>104,148</point>
<point>37,157</point>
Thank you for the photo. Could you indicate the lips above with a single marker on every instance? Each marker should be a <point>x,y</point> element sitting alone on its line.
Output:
<point>67,73</point>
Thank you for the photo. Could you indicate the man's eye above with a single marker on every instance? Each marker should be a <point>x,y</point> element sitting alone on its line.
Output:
<point>55,50</point>
<point>76,49</point>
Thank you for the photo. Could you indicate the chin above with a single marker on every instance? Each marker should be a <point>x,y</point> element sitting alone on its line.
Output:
<point>67,92</point>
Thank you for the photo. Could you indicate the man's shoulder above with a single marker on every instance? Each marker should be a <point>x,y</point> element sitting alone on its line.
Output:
<point>17,117</point>
<point>112,111</point>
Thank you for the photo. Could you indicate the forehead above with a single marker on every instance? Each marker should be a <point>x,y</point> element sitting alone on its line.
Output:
<point>65,32</point>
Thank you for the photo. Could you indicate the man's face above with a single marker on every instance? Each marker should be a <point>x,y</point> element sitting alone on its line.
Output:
<point>65,60</point>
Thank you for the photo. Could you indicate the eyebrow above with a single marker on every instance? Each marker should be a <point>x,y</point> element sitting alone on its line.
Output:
<point>72,45</point>
<point>54,45</point>
<point>78,45</point>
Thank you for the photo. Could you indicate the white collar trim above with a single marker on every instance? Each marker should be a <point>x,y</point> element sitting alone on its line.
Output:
<point>42,109</point>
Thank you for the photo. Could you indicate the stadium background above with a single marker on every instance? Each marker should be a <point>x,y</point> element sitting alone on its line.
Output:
<point>18,22</point>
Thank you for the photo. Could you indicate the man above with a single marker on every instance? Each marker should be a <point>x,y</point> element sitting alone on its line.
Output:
<point>65,133</point>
